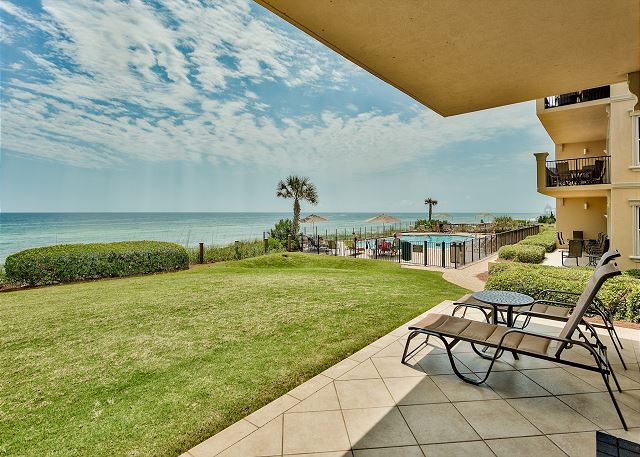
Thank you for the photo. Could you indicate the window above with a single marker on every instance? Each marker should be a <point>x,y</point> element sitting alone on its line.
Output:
<point>636,229</point>
<point>636,139</point>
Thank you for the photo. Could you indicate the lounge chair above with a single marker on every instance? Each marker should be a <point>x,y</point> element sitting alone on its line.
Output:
<point>554,305</point>
<point>574,252</point>
<point>451,330</point>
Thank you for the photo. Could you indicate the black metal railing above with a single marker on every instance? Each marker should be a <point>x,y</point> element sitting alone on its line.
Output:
<point>578,172</point>
<point>454,254</point>
<point>580,96</point>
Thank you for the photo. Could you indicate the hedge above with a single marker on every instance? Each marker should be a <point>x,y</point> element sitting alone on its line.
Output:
<point>75,262</point>
<point>621,295</point>
<point>245,250</point>
<point>522,253</point>
<point>546,239</point>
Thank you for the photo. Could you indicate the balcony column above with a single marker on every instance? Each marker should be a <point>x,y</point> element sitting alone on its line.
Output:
<point>541,166</point>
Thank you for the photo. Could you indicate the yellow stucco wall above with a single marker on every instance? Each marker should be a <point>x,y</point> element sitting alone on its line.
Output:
<point>571,216</point>
<point>611,213</point>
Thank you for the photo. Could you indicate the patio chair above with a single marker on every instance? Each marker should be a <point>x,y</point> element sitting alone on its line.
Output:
<point>451,330</point>
<point>549,306</point>
<point>561,240</point>
<point>545,307</point>
<point>597,174</point>
<point>563,174</point>
<point>574,252</point>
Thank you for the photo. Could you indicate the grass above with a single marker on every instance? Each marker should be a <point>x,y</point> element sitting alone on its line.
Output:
<point>153,365</point>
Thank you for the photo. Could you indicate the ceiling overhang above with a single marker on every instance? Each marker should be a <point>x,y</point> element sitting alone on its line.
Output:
<point>458,56</point>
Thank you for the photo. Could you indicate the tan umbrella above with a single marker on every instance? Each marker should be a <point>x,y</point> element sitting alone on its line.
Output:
<point>383,219</point>
<point>312,219</point>
<point>443,216</point>
<point>485,215</point>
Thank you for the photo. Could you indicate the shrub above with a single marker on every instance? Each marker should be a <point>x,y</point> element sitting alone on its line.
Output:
<point>547,219</point>
<point>506,223</point>
<point>282,230</point>
<point>74,262</point>
<point>424,224</point>
<point>546,239</point>
<point>522,253</point>
<point>634,272</point>
<point>621,295</point>
<point>244,250</point>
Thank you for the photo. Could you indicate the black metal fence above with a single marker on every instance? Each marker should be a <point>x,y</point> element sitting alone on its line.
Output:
<point>578,172</point>
<point>450,251</point>
<point>581,96</point>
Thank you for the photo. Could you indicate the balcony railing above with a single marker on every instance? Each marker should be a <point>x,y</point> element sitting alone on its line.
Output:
<point>583,171</point>
<point>581,96</point>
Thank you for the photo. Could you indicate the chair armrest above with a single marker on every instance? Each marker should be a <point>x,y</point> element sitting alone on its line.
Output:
<point>542,335</point>
<point>544,292</point>
<point>556,303</point>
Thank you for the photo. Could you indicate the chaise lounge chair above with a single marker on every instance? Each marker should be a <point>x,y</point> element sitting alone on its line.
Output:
<point>451,330</point>
<point>548,305</point>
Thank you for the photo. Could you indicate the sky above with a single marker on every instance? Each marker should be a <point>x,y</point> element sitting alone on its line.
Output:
<point>186,105</point>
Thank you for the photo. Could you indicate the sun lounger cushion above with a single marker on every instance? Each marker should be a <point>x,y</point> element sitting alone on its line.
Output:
<point>481,333</point>
<point>550,310</point>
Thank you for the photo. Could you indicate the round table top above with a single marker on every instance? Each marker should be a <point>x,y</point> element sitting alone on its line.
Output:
<point>503,298</point>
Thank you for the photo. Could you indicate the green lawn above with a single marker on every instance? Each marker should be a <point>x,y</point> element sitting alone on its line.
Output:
<point>153,365</point>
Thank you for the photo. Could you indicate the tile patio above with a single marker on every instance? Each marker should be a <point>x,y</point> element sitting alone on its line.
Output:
<point>370,405</point>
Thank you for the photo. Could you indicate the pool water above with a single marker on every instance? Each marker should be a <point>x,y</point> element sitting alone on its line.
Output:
<point>447,239</point>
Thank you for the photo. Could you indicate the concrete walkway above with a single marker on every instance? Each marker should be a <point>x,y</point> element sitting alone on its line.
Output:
<point>466,277</point>
<point>371,405</point>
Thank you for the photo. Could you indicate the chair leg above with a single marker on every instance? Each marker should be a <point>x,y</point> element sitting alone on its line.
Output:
<point>460,375</point>
<point>613,340</point>
<point>406,354</point>
<point>613,399</point>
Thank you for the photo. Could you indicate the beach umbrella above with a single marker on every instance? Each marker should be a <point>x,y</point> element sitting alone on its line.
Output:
<point>443,216</point>
<point>312,219</point>
<point>485,215</point>
<point>383,219</point>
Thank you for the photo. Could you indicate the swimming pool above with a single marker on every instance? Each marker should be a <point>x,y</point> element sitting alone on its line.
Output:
<point>447,239</point>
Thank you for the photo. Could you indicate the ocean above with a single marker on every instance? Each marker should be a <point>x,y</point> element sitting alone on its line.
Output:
<point>20,231</point>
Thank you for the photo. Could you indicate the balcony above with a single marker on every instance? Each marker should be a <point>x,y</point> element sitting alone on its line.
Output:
<point>582,171</point>
<point>571,98</point>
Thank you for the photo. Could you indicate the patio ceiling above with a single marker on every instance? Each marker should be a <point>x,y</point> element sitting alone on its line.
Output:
<point>457,56</point>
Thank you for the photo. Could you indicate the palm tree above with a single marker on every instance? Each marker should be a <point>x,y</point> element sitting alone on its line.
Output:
<point>299,188</point>
<point>431,202</point>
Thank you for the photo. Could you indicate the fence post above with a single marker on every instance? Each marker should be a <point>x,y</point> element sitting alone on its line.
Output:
<point>472,249</point>
<point>455,255</point>
<point>301,242</point>
<point>201,256</point>
<point>265,240</point>
<point>289,243</point>
<point>237,243</point>
<point>318,240</point>
<point>375,251</point>
<point>443,254</point>
<point>424,252</point>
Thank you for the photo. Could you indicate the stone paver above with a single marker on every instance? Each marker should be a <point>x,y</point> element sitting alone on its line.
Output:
<point>371,405</point>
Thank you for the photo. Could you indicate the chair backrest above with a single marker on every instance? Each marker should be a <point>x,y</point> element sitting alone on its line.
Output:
<point>607,257</point>
<point>575,248</point>
<point>586,298</point>
<point>562,168</point>
<point>578,235</point>
<point>598,168</point>
<point>560,239</point>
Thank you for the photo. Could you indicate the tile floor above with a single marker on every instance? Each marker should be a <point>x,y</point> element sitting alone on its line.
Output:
<point>371,405</point>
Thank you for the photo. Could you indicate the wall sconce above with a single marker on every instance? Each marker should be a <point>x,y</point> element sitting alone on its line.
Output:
<point>586,205</point>
<point>585,150</point>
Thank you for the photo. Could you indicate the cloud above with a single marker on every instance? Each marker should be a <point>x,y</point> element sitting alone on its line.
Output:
<point>179,80</point>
